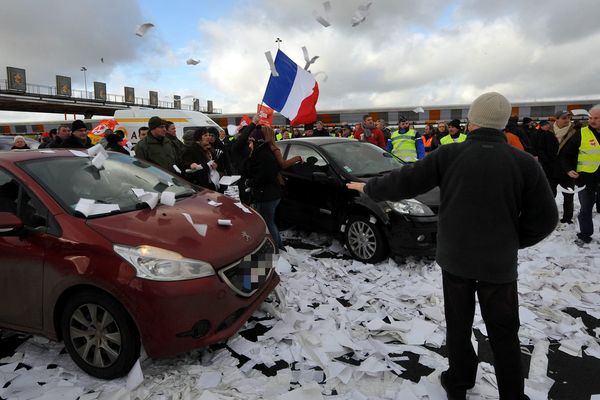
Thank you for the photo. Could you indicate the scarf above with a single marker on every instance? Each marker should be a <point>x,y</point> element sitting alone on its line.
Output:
<point>366,131</point>
<point>561,133</point>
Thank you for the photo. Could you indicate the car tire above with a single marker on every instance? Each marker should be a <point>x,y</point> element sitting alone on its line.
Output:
<point>364,240</point>
<point>99,335</point>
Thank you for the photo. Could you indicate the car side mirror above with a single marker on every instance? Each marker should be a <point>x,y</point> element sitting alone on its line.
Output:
<point>10,224</point>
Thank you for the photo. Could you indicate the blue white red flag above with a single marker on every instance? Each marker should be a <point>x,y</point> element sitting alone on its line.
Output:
<point>294,93</point>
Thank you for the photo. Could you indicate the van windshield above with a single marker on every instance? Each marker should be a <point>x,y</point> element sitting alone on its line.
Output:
<point>70,179</point>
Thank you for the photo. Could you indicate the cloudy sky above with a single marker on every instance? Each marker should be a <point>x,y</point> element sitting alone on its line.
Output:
<point>406,53</point>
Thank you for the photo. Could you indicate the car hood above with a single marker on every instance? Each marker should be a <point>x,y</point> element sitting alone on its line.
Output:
<point>166,227</point>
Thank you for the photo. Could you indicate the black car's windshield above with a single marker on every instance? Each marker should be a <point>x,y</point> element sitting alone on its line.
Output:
<point>362,159</point>
<point>110,188</point>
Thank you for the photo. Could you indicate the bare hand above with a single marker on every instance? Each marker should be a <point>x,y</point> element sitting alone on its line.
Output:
<point>255,119</point>
<point>358,186</point>
<point>573,174</point>
<point>194,166</point>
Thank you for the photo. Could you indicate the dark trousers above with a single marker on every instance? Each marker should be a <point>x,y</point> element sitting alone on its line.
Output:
<point>587,199</point>
<point>499,306</point>
<point>567,199</point>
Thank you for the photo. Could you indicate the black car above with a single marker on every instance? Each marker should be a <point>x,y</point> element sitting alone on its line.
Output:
<point>6,142</point>
<point>316,197</point>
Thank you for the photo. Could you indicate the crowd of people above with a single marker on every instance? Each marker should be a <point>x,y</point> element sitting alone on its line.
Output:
<point>500,173</point>
<point>207,153</point>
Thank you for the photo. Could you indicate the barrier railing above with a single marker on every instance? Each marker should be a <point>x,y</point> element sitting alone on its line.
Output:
<point>116,99</point>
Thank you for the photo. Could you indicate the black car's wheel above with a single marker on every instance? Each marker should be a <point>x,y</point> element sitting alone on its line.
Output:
<point>99,335</point>
<point>365,240</point>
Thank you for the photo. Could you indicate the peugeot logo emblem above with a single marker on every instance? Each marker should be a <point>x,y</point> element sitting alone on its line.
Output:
<point>246,237</point>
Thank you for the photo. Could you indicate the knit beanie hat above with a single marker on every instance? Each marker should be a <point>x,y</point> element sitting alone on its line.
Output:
<point>77,124</point>
<point>155,122</point>
<point>455,123</point>
<point>490,110</point>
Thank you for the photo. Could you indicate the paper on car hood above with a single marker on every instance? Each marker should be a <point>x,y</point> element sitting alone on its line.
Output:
<point>169,228</point>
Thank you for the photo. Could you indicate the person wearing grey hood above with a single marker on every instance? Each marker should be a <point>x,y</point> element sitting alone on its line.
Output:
<point>494,200</point>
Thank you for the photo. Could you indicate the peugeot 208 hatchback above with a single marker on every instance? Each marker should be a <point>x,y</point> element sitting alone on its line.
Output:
<point>86,259</point>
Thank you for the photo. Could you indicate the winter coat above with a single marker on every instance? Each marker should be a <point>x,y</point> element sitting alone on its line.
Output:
<point>158,151</point>
<point>547,151</point>
<point>239,150</point>
<point>178,147</point>
<point>73,143</point>
<point>495,200</point>
<point>261,170</point>
<point>376,137</point>
<point>568,159</point>
<point>194,153</point>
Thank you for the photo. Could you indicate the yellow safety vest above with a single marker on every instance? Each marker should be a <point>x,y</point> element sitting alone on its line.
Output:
<point>448,139</point>
<point>279,136</point>
<point>588,159</point>
<point>404,146</point>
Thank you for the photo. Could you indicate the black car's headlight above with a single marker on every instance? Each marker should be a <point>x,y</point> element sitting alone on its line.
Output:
<point>159,264</point>
<point>411,207</point>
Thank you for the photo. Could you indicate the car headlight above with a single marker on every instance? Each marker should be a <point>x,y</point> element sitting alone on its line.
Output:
<point>410,207</point>
<point>158,264</point>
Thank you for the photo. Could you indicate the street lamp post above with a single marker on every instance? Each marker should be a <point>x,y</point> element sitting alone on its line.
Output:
<point>85,80</point>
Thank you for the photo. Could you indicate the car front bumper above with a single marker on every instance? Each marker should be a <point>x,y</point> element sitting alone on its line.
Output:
<point>177,317</point>
<point>411,236</point>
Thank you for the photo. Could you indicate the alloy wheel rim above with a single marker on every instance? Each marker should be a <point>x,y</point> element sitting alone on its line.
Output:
<point>362,240</point>
<point>95,335</point>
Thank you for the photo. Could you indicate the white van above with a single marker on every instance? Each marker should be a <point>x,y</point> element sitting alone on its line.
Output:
<point>130,121</point>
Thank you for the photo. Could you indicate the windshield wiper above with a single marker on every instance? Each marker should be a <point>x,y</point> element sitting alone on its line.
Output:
<point>373,174</point>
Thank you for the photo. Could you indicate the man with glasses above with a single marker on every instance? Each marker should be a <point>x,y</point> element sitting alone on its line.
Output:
<point>79,137</point>
<point>155,148</point>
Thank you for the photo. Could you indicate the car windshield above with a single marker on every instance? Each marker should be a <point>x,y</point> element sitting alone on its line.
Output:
<point>362,159</point>
<point>70,179</point>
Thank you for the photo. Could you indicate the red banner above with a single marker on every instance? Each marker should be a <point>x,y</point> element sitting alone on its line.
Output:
<point>265,115</point>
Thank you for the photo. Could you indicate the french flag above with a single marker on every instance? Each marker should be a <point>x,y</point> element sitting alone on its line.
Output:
<point>294,93</point>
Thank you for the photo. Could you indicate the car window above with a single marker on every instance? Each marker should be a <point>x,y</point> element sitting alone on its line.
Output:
<point>361,159</point>
<point>70,179</point>
<point>16,199</point>
<point>9,193</point>
<point>308,154</point>
<point>312,161</point>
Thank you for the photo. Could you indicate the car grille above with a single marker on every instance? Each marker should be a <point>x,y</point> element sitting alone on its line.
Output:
<point>248,275</point>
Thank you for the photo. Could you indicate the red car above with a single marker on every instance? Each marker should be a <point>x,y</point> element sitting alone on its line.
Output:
<point>84,259</point>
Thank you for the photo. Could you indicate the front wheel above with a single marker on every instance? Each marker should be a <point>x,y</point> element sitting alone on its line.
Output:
<point>99,335</point>
<point>365,240</point>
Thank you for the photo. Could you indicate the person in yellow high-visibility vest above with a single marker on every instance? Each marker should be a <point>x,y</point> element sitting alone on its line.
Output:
<point>405,143</point>
<point>580,157</point>
<point>455,133</point>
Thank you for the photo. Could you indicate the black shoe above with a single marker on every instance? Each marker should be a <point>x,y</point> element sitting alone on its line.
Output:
<point>566,221</point>
<point>584,238</point>
<point>452,394</point>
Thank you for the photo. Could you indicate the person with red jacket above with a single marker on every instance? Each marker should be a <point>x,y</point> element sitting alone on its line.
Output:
<point>367,132</point>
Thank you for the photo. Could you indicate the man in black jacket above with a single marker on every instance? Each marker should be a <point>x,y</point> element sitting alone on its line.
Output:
<point>495,200</point>
<point>79,138</point>
<point>581,158</point>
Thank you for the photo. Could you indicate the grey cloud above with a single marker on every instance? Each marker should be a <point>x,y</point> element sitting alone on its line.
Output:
<point>50,38</point>
<point>551,20</point>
